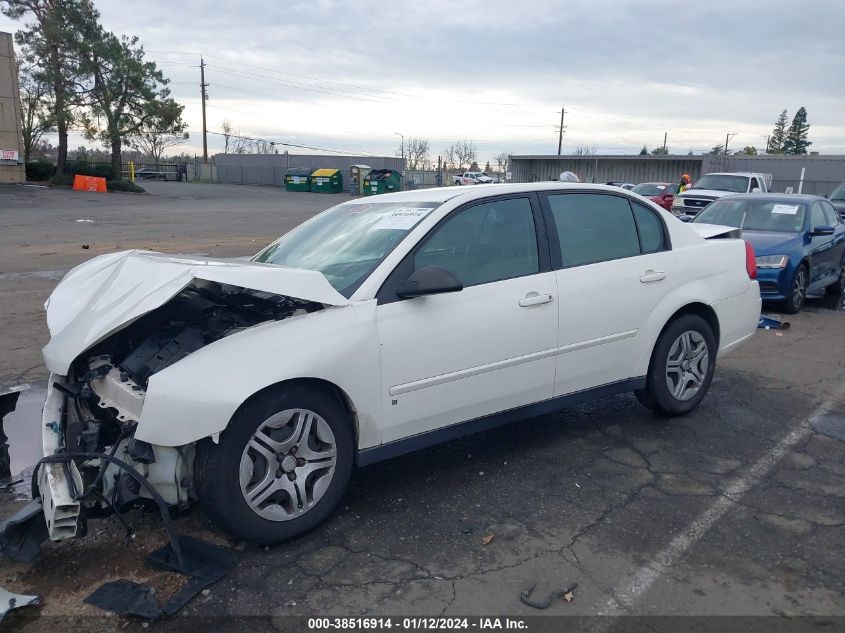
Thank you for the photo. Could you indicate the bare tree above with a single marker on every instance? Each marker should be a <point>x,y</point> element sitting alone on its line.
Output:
<point>227,134</point>
<point>502,159</point>
<point>586,150</point>
<point>417,153</point>
<point>260,146</point>
<point>37,115</point>
<point>462,153</point>
<point>450,159</point>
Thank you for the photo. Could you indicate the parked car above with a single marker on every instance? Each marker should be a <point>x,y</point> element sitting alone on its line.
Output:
<point>799,241</point>
<point>661,193</point>
<point>711,187</point>
<point>472,178</point>
<point>147,173</point>
<point>628,186</point>
<point>837,199</point>
<point>375,328</point>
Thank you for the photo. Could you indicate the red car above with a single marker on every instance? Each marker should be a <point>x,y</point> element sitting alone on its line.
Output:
<point>663,193</point>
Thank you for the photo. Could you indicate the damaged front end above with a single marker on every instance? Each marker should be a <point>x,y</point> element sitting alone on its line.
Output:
<point>93,462</point>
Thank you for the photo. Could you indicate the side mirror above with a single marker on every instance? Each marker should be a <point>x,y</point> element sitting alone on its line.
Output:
<point>685,218</point>
<point>428,280</point>
<point>822,230</point>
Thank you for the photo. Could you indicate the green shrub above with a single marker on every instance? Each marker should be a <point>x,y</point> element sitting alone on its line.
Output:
<point>125,186</point>
<point>87,169</point>
<point>62,179</point>
<point>40,170</point>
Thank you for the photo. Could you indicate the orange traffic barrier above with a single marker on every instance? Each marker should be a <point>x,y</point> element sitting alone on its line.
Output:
<point>89,183</point>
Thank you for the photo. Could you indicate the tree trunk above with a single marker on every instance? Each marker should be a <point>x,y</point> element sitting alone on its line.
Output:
<point>60,109</point>
<point>116,159</point>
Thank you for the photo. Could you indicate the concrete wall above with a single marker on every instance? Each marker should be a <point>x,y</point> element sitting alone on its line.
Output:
<point>11,171</point>
<point>269,169</point>
<point>822,174</point>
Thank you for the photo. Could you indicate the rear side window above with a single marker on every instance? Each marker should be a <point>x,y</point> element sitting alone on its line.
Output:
<point>593,228</point>
<point>650,228</point>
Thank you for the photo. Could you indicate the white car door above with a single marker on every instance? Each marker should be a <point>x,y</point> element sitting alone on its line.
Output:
<point>452,357</point>
<point>615,265</point>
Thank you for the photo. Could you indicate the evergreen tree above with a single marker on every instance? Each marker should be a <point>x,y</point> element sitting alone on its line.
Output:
<point>778,136</point>
<point>796,141</point>
<point>644,151</point>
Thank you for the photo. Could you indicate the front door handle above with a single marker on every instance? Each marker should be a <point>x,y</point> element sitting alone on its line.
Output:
<point>650,276</point>
<point>534,299</point>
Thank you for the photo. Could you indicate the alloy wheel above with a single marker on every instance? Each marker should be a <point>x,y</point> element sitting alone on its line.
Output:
<point>687,365</point>
<point>799,288</point>
<point>288,464</point>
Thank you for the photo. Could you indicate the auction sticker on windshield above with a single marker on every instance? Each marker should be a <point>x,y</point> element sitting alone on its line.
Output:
<point>404,218</point>
<point>785,209</point>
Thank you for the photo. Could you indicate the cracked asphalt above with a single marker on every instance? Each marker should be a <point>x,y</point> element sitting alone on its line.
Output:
<point>603,495</point>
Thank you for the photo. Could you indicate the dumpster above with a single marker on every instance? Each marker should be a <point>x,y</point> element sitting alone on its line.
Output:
<point>326,181</point>
<point>382,181</point>
<point>298,179</point>
<point>357,173</point>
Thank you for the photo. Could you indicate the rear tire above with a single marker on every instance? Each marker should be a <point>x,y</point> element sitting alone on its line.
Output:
<point>280,467</point>
<point>681,367</point>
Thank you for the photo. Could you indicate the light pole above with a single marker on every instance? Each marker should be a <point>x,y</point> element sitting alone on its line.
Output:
<point>402,146</point>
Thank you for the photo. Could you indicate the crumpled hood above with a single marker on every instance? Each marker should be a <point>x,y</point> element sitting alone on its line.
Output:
<point>709,231</point>
<point>111,291</point>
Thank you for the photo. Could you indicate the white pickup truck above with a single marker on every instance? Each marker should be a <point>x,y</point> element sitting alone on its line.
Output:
<point>711,187</point>
<point>471,178</point>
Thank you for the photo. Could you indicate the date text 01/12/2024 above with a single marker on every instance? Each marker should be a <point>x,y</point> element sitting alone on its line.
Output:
<point>416,623</point>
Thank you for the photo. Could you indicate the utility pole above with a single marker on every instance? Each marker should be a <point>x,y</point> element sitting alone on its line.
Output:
<point>665,136</point>
<point>203,86</point>
<point>560,132</point>
<point>728,138</point>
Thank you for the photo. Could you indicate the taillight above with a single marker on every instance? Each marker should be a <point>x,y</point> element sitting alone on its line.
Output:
<point>750,261</point>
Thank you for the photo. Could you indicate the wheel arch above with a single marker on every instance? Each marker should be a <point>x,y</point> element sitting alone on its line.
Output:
<point>703,310</point>
<point>321,384</point>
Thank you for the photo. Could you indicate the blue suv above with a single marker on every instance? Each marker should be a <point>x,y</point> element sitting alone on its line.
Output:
<point>799,241</point>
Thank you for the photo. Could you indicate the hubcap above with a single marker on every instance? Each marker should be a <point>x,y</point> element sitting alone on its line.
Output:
<point>288,464</point>
<point>687,365</point>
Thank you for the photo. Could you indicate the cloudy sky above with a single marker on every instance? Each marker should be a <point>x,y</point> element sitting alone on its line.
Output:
<point>353,76</point>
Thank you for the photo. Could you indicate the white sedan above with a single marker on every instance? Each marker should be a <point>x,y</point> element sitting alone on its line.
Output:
<point>376,328</point>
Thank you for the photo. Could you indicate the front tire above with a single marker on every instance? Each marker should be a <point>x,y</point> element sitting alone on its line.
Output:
<point>681,367</point>
<point>280,467</point>
<point>797,291</point>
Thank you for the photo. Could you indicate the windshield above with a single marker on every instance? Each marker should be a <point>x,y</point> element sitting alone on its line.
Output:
<point>348,241</point>
<point>649,189</point>
<point>723,182</point>
<point>755,215</point>
<point>839,193</point>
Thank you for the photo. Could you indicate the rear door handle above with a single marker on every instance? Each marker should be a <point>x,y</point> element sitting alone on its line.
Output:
<point>534,299</point>
<point>650,276</point>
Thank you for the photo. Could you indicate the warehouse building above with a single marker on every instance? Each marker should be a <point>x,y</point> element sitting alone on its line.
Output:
<point>11,143</point>
<point>812,174</point>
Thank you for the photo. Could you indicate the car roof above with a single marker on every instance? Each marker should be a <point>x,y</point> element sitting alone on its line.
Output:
<point>803,198</point>
<point>656,182</point>
<point>442,194</point>
<point>734,173</point>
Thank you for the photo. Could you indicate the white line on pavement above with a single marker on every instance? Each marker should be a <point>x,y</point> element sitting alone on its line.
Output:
<point>625,595</point>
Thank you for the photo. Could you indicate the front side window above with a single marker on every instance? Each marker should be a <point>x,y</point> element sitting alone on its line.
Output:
<point>817,216</point>
<point>831,214</point>
<point>484,243</point>
<point>593,228</point>
<point>348,241</point>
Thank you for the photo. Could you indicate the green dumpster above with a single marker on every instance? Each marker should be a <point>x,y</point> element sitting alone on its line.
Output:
<point>298,179</point>
<point>382,181</point>
<point>327,181</point>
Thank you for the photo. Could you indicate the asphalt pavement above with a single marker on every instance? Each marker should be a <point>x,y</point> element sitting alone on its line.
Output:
<point>734,510</point>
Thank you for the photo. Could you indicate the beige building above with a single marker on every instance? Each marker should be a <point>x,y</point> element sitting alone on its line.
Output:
<point>11,143</point>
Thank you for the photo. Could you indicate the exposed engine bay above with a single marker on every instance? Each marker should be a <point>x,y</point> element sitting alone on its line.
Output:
<point>105,392</point>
